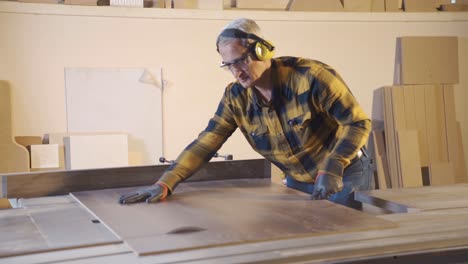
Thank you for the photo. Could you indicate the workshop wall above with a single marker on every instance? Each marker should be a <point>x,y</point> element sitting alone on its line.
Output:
<point>37,41</point>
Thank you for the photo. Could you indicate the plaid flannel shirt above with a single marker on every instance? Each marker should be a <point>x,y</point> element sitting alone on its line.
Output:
<point>313,124</point>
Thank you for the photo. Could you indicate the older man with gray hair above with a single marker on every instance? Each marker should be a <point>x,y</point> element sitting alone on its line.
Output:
<point>297,113</point>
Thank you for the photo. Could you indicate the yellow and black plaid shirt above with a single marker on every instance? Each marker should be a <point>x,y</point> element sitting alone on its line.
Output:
<point>312,124</point>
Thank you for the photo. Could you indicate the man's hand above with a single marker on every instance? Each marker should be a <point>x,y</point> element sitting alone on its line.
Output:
<point>326,185</point>
<point>151,194</point>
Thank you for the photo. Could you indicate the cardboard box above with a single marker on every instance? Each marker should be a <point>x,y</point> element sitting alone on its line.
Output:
<point>429,60</point>
<point>316,5</point>
<point>44,156</point>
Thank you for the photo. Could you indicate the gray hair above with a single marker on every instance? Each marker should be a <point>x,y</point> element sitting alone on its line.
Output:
<point>245,24</point>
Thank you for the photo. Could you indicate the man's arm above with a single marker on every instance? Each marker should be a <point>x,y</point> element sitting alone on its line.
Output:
<point>338,102</point>
<point>194,156</point>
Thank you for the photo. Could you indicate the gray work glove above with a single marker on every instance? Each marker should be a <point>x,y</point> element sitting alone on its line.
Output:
<point>326,185</point>
<point>150,194</point>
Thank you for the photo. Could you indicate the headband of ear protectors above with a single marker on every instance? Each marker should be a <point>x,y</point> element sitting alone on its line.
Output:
<point>263,50</point>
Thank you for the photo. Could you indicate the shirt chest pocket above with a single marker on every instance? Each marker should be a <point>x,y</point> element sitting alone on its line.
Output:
<point>301,126</point>
<point>259,138</point>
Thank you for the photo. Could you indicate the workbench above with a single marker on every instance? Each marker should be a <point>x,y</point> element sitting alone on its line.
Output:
<point>426,224</point>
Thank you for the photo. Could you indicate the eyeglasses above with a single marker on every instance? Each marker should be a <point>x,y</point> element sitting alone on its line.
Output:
<point>241,62</point>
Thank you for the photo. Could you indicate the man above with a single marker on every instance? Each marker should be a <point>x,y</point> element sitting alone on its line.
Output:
<point>297,113</point>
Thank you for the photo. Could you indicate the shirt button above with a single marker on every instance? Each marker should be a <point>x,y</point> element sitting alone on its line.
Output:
<point>252,134</point>
<point>290,122</point>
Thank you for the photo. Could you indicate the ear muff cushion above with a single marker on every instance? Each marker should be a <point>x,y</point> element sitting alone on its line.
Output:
<point>264,51</point>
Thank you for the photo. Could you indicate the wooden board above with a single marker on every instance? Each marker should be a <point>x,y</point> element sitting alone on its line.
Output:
<point>208,214</point>
<point>435,122</point>
<point>409,158</point>
<point>420,116</point>
<point>381,160</point>
<point>36,184</point>
<point>456,155</point>
<point>13,157</point>
<point>429,60</point>
<point>417,199</point>
<point>25,231</point>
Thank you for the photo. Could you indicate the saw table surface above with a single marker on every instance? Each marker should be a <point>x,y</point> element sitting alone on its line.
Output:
<point>429,236</point>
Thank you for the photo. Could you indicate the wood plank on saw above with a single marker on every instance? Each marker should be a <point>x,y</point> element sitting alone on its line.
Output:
<point>208,214</point>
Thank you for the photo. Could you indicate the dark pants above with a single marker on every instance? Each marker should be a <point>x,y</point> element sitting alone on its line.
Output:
<point>358,176</point>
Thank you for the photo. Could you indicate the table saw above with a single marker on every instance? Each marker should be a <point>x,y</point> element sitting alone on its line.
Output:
<point>229,212</point>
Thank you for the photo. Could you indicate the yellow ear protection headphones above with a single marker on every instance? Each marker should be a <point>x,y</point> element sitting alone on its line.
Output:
<point>262,49</point>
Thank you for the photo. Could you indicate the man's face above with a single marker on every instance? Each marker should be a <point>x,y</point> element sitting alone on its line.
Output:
<point>238,59</point>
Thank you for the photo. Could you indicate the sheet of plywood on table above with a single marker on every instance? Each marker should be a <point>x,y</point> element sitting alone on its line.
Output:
<point>420,122</point>
<point>25,231</point>
<point>454,141</point>
<point>208,214</point>
<point>13,157</point>
<point>390,138</point>
<point>380,159</point>
<point>418,198</point>
<point>429,60</point>
<point>407,141</point>
<point>435,124</point>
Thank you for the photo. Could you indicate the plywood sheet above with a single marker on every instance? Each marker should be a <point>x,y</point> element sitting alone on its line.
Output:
<point>456,155</point>
<point>435,124</point>
<point>442,173</point>
<point>418,198</point>
<point>409,158</point>
<point>26,231</point>
<point>208,214</point>
<point>381,160</point>
<point>429,60</point>
<point>13,157</point>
